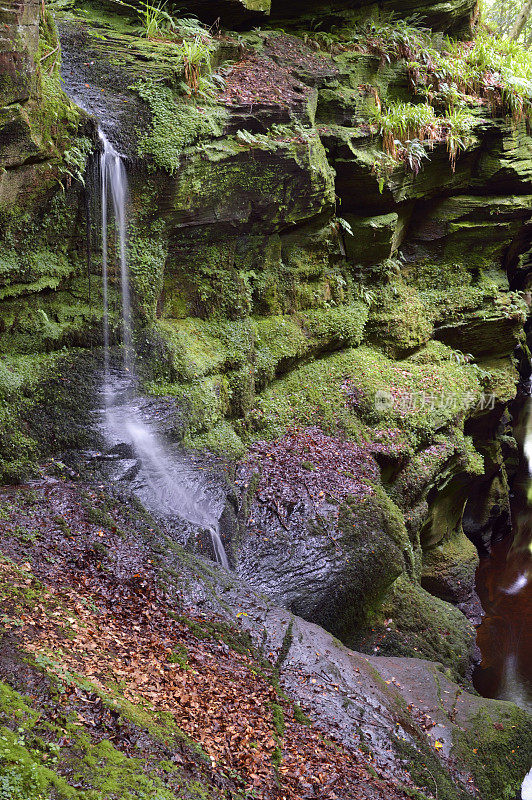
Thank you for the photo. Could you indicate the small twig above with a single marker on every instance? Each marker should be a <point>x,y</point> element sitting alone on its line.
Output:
<point>433,778</point>
<point>50,53</point>
<point>54,62</point>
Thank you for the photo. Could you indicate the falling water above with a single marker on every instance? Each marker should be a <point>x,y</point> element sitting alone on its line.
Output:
<point>114,178</point>
<point>164,479</point>
<point>526,787</point>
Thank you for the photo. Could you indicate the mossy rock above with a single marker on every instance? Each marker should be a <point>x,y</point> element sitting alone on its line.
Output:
<point>231,187</point>
<point>449,569</point>
<point>373,239</point>
<point>469,228</point>
<point>344,391</point>
<point>497,748</point>
<point>45,402</point>
<point>412,622</point>
<point>329,568</point>
<point>398,320</point>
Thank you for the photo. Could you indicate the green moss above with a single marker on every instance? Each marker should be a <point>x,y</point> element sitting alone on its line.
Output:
<point>211,179</point>
<point>176,124</point>
<point>179,656</point>
<point>114,776</point>
<point>19,376</point>
<point>220,440</point>
<point>278,720</point>
<point>97,769</point>
<point>53,118</point>
<point>280,340</point>
<point>370,239</point>
<point>285,646</point>
<point>344,324</point>
<point>96,514</point>
<point>497,747</point>
<point>147,252</point>
<point>202,403</point>
<point>43,269</point>
<point>422,626</point>
<point>449,567</point>
<point>279,728</point>
<point>47,263</point>
<point>195,349</point>
<point>398,320</point>
<point>50,321</point>
<point>322,393</point>
<point>300,716</point>
<point>428,772</point>
<point>210,282</point>
<point>219,631</point>
<point>22,777</point>
<point>44,407</point>
<point>501,379</point>
<point>374,541</point>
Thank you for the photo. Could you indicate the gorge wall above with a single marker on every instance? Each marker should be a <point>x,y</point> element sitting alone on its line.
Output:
<point>343,331</point>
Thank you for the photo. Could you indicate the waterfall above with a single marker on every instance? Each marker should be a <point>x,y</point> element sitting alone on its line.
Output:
<point>166,483</point>
<point>114,178</point>
<point>526,787</point>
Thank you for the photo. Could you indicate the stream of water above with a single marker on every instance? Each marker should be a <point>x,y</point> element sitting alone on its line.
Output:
<point>504,585</point>
<point>163,478</point>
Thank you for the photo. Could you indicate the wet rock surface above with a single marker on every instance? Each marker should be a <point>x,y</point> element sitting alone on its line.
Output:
<point>389,713</point>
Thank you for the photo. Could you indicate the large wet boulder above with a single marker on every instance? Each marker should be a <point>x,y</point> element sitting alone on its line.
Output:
<point>318,532</point>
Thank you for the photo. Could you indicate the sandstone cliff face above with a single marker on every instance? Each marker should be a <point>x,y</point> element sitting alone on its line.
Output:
<point>340,331</point>
<point>289,284</point>
<point>36,118</point>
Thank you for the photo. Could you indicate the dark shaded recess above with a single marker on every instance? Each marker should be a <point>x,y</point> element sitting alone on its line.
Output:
<point>233,13</point>
<point>226,13</point>
<point>432,12</point>
<point>485,520</point>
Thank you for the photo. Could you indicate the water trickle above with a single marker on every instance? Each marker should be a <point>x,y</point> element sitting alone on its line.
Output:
<point>114,180</point>
<point>526,787</point>
<point>161,476</point>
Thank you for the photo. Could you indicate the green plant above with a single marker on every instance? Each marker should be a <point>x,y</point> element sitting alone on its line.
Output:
<point>392,38</point>
<point>460,358</point>
<point>382,167</point>
<point>408,129</point>
<point>401,122</point>
<point>414,153</point>
<point>450,74</point>
<point>179,656</point>
<point>345,225</point>
<point>155,19</point>
<point>513,306</point>
<point>366,295</point>
<point>458,128</point>
<point>196,56</point>
<point>74,161</point>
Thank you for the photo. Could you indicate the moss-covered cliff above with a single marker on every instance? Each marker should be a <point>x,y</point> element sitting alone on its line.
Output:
<point>328,245</point>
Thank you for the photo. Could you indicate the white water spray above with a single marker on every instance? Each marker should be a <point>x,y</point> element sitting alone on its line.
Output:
<point>526,787</point>
<point>166,482</point>
<point>520,582</point>
<point>527,443</point>
<point>114,179</point>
